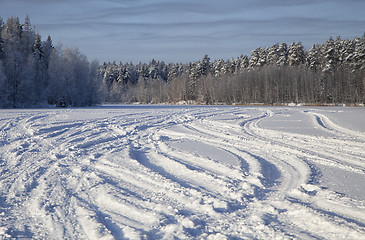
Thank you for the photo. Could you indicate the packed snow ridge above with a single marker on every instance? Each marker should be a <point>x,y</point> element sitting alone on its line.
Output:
<point>182,172</point>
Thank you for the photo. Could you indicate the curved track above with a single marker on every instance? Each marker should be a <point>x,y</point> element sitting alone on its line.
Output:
<point>177,172</point>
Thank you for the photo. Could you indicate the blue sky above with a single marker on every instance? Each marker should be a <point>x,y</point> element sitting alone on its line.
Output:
<point>185,30</point>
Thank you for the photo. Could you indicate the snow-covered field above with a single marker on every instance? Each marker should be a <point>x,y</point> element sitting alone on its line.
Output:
<point>183,172</point>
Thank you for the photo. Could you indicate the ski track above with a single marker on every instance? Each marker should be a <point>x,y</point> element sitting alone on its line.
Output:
<point>175,173</point>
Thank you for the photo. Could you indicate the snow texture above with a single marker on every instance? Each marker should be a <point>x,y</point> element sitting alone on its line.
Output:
<point>182,172</point>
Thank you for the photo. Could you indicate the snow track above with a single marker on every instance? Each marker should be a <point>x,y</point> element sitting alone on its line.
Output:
<point>165,172</point>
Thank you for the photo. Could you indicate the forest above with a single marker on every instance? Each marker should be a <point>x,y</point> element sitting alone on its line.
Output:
<point>35,73</point>
<point>329,73</point>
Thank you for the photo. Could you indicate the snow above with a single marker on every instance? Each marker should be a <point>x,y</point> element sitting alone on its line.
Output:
<point>183,172</point>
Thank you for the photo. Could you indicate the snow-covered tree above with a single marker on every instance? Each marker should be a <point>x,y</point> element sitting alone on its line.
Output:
<point>153,69</point>
<point>314,58</point>
<point>97,86</point>
<point>296,54</point>
<point>57,78</point>
<point>27,37</point>
<point>329,57</point>
<point>14,59</point>
<point>243,63</point>
<point>206,67</point>
<point>282,53</point>
<point>2,54</point>
<point>4,93</point>
<point>258,58</point>
<point>218,67</point>
<point>358,58</point>
<point>175,70</point>
<point>230,66</point>
<point>32,71</point>
<point>71,81</point>
<point>40,65</point>
<point>272,54</point>
<point>260,77</point>
<point>47,48</point>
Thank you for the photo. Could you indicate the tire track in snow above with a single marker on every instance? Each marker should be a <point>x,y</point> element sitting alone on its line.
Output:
<point>132,175</point>
<point>203,201</point>
<point>298,170</point>
<point>314,153</point>
<point>21,175</point>
<point>255,195</point>
<point>330,126</point>
<point>314,147</point>
<point>63,162</point>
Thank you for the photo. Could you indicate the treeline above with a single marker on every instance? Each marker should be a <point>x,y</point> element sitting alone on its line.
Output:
<point>34,73</point>
<point>332,72</point>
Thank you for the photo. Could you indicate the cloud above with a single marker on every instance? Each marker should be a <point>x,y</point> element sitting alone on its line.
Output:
<point>187,29</point>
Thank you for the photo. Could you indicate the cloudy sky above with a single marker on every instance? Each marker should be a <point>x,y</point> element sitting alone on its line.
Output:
<point>185,30</point>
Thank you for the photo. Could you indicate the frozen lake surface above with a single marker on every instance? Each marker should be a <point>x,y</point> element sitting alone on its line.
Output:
<point>184,172</point>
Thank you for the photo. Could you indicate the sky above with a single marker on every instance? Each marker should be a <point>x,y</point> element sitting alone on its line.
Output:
<point>185,30</point>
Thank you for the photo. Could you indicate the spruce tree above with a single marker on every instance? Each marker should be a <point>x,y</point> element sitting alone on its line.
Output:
<point>2,54</point>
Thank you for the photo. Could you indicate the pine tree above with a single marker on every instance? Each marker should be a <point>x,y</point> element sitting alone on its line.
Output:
<point>47,48</point>
<point>346,52</point>
<point>206,67</point>
<point>97,88</point>
<point>3,81</point>
<point>175,70</point>
<point>4,94</point>
<point>2,54</point>
<point>57,79</point>
<point>40,67</point>
<point>14,59</point>
<point>258,58</point>
<point>37,47</point>
<point>296,54</point>
<point>329,58</point>
<point>243,65</point>
<point>314,58</point>
<point>27,37</point>
<point>143,71</point>
<point>231,66</point>
<point>218,67</point>
<point>282,52</point>
<point>358,59</point>
<point>273,54</point>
